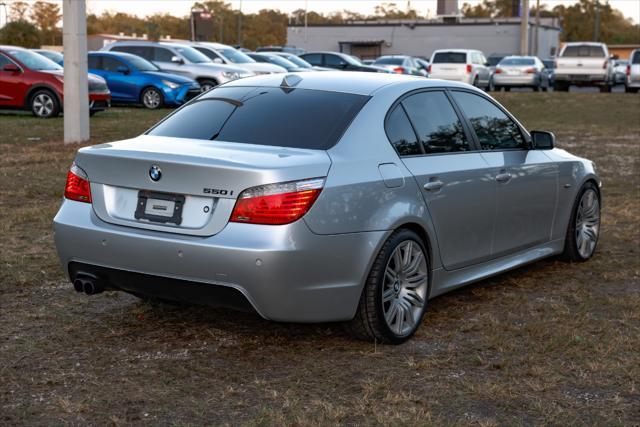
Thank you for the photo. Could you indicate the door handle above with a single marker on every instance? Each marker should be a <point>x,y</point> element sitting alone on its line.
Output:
<point>433,185</point>
<point>503,177</point>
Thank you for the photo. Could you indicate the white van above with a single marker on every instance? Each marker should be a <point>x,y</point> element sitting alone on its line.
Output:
<point>461,65</point>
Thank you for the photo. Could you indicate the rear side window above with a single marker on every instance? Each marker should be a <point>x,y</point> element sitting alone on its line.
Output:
<point>584,51</point>
<point>162,55</point>
<point>334,61</point>
<point>401,134</point>
<point>636,57</point>
<point>494,129</point>
<point>450,58</point>
<point>436,122</point>
<point>295,118</point>
<point>144,51</point>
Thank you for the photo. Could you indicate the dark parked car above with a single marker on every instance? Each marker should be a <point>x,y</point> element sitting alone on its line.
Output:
<point>340,61</point>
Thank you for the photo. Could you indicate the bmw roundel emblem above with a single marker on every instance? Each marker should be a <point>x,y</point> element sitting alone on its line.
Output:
<point>155,173</point>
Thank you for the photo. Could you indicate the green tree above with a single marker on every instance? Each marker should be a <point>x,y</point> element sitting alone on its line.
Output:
<point>46,16</point>
<point>20,33</point>
<point>578,23</point>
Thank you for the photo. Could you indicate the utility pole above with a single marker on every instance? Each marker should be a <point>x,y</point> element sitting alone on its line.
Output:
<point>596,31</point>
<point>76,90</point>
<point>536,32</point>
<point>524,27</point>
<point>239,39</point>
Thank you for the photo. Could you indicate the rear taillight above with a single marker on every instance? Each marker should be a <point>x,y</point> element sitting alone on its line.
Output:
<point>531,70</point>
<point>498,71</point>
<point>77,187</point>
<point>628,70</point>
<point>276,204</point>
<point>399,70</point>
<point>469,68</point>
<point>429,68</point>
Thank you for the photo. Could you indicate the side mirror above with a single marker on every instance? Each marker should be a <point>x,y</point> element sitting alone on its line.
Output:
<point>122,69</point>
<point>13,68</point>
<point>217,60</point>
<point>177,60</point>
<point>542,140</point>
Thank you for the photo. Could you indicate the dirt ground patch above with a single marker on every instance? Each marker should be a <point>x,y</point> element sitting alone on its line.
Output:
<point>551,343</point>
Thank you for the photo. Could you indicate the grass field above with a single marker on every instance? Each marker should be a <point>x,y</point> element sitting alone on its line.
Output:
<point>551,343</point>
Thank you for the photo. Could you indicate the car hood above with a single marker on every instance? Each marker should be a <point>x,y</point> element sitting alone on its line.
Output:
<point>174,78</point>
<point>261,67</point>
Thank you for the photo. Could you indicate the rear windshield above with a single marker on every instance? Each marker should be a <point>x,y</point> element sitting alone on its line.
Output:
<point>518,61</point>
<point>295,118</point>
<point>583,51</point>
<point>389,60</point>
<point>450,58</point>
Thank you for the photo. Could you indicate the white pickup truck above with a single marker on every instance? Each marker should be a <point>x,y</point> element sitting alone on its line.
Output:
<point>584,64</point>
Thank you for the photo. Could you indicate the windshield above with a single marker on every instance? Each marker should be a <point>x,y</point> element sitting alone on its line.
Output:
<point>389,60</point>
<point>279,61</point>
<point>141,64</point>
<point>34,61</point>
<point>297,61</point>
<point>54,56</point>
<point>235,56</point>
<point>449,58</point>
<point>584,51</point>
<point>192,55</point>
<point>295,118</point>
<point>518,61</point>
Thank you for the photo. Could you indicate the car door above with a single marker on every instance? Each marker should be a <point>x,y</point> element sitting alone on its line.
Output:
<point>526,180</point>
<point>121,84</point>
<point>162,58</point>
<point>451,173</point>
<point>13,85</point>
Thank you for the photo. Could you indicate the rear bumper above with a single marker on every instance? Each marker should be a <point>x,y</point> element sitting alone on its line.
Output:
<point>99,101</point>
<point>581,79</point>
<point>506,80</point>
<point>286,273</point>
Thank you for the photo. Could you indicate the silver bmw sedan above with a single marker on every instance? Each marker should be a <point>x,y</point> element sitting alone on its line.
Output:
<point>317,197</point>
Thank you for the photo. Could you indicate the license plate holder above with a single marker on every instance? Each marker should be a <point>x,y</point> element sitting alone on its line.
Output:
<point>159,207</point>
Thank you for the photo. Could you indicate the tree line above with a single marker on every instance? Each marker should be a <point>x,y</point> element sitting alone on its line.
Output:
<point>39,23</point>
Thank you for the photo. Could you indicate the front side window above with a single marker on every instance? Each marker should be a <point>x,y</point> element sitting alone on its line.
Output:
<point>295,118</point>
<point>436,122</point>
<point>313,58</point>
<point>236,56</point>
<point>162,55</point>
<point>111,64</point>
<point>494,129</point>
<point>335,61</point>
<point>192,55</point>
<point>401,134</point>
<point>34,61</point>
<point>4,61</point>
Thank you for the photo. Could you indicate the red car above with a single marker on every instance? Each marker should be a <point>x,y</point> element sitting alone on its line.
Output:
<point>29,81</point>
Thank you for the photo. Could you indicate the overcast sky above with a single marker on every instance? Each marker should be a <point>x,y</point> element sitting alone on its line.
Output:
<point>630,8</point>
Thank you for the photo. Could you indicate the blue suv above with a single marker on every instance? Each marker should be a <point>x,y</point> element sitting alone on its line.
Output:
<point>132,79</point>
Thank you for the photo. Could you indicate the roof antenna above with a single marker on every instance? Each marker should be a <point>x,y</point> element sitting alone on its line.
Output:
<point>290,81</point>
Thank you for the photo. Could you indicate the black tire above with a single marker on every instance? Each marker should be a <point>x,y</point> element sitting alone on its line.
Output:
<point>630,89</point>
<point>369,323</point>
<point>152,98</point>
<point>560,87</point>
<point>571,252</point>
<point>207,84</point>
<point>507,89</point>
<point>605,88</point>
<point>475,82</point>
<point>44,104</point>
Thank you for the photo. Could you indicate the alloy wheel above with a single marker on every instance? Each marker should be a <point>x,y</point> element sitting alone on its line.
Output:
<point>404,289</point>
<point>587,223</point>
<point>43,105</point>
<point>151,99</point>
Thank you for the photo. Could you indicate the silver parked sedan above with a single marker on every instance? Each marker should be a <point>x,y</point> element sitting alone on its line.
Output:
<point>520,71</point>
<point>320,197</point>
